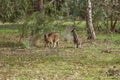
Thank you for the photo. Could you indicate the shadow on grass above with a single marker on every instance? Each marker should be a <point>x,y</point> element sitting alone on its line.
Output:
<point>10,26</point>
<point>8,44</point>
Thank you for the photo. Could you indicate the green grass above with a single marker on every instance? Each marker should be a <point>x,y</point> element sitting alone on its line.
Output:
<point>7,31</point>
<point>7,28</point>
<point>91,62</point>
<point>74,65</point>
<point>87,63</point>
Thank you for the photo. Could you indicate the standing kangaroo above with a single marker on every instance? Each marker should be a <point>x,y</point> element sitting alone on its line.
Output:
<point>76,39</point>
<point>51,39</point>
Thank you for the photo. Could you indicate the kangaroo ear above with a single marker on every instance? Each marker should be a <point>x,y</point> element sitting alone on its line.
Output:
<point>45,35</point>
<point>73,29</point>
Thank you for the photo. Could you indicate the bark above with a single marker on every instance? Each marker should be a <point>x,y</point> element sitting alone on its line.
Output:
<point>91,32</point>
<point>40,5</point>
<point>52,1</point>
<point>113,25</point>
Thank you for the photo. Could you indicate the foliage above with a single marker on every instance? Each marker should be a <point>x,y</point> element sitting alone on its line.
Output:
<point>92,62</point>
<point>38,23</point>
<point>105,12</point>
<point>13,10</point>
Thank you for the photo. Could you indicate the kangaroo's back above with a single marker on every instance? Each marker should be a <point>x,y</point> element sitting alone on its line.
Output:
<point>53,38</point>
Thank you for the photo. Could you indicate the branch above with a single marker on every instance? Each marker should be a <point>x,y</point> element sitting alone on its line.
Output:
<point>52,1</point>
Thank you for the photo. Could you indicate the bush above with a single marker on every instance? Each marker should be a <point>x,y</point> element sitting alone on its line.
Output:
<point>11,11</point>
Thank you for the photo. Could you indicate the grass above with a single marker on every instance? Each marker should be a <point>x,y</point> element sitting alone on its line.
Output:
<point>7,31</point>
<point>91,62</point>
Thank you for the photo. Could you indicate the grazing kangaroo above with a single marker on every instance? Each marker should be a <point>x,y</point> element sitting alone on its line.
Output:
<point>76,39</point>
<point>51,39</point>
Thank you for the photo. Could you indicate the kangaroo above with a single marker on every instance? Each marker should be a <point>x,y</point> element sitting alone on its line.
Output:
<point>76,39</point>
<point>51,39</point>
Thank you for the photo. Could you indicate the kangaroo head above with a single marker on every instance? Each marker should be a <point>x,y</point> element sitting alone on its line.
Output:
<point>73,29</point>
<point>45,36</point>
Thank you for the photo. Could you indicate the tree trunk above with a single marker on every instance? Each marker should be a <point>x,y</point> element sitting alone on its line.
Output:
<point>91,32</point>
<point>40,5</point>
<point>113,24</point>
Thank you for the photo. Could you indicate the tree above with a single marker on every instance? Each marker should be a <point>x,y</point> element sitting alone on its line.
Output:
<point>114,14</point>
<point>106,12</point>
<point>13,10</point>
<point>40,5</point>
<point>91,32</point>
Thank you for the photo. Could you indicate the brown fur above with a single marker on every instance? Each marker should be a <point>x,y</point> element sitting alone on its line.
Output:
<point>51,39</point>
<point>76,39</point>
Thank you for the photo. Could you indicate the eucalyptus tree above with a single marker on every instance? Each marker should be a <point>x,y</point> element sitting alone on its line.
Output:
<point>107,12</point>
<point>83,9</point>
<point>91,32</point>
<point>13,10</point>
<point>114,13</point>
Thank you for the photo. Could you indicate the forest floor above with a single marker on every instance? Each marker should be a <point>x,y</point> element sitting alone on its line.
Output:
<point>96,60</point>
